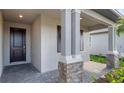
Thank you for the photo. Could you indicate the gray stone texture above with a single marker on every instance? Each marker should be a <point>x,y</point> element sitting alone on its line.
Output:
<point>112,61</point>
<point>71,73</point>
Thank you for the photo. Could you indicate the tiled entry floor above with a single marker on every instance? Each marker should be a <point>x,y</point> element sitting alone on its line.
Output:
<point>26,73</point>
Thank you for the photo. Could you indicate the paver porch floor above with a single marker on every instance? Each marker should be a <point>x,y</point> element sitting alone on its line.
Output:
<point>26,73</point>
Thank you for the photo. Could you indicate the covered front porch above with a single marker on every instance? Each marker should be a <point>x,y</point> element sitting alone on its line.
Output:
<point>49,53</point>
<point>27,73</point>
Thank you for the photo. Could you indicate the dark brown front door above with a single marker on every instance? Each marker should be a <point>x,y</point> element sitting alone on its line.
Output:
<point>17,44</point>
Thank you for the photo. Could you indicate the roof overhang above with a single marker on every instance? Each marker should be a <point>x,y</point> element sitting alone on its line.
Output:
<point>111,14</point>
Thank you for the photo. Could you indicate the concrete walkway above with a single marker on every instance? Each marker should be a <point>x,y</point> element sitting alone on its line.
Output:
<point>26,73</point>
<point>93,69</point>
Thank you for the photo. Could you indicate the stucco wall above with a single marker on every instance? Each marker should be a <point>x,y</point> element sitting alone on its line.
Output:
<point>44,43</point>
<point>6,40</point>
<point>1,43</point>
<point>49,43</point>
<point>36,43</point>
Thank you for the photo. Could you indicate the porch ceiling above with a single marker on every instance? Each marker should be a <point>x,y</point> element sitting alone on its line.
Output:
<point>29,15</point>
<point>91,23</point>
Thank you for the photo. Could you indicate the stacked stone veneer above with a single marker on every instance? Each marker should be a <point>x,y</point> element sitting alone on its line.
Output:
<point>112,61</point>
<point>70,73</point>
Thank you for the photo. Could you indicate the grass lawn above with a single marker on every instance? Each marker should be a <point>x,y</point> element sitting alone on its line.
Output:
<point>98,58</point>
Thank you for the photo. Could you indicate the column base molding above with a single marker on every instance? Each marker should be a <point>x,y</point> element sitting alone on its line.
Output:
<point>70,59</point>
<point>113,52</point>
<point>70,72</point>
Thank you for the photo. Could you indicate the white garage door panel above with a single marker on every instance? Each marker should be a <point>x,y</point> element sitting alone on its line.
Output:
<point>99,43</point>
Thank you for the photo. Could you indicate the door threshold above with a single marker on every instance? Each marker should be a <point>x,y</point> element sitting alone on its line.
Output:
<point>19,63</point>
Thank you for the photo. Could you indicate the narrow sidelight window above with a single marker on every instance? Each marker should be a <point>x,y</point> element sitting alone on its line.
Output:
<point>58,38</point>
<point>81,40</point>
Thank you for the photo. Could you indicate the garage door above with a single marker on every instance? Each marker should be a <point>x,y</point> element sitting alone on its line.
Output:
<point>99,43</point>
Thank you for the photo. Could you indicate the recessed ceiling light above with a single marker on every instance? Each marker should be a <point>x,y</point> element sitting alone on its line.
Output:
<point>20,16</point>
<point>81,18</point>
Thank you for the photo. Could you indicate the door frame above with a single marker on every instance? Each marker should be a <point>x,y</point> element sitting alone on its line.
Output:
<point>7,26</point>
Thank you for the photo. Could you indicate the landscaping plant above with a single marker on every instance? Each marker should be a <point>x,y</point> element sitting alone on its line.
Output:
<point>121,62</point>
<point>98,58</point>
<point>120,26</point>
<point>115,76</point>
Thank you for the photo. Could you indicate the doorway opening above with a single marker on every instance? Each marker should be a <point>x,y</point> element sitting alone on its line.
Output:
<point>17,44</point>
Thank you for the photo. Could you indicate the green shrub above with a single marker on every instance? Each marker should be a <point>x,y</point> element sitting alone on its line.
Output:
<point>115,76</point>
<point>121,62</point>
<point>98,58</point>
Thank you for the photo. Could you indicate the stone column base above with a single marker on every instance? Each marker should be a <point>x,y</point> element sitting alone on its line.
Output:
<point>113,61</point>
<point>70,73</point>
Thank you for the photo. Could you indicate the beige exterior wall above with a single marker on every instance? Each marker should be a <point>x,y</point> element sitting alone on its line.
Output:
<point>44,43</point>
<point>36,43</point>
<point>49,43</point>
<point>1,43</point>
<point>6,40</point>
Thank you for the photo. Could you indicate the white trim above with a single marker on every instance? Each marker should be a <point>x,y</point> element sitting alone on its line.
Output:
<point>69,59</point>
<point>99,31</point>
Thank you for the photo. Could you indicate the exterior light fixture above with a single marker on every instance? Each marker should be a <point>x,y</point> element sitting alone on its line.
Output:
<point>20,16</point>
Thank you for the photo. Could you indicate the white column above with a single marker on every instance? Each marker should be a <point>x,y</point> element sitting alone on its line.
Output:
<point>112,48</point>
<point>86,44</point>
<point>111,39</point>
<point>70,69</point>
<point>66,34</point>
<point>76,33</point>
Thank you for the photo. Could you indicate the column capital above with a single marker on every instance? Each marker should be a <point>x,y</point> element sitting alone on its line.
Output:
<point>76,11</point>
<point>111,28</point>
